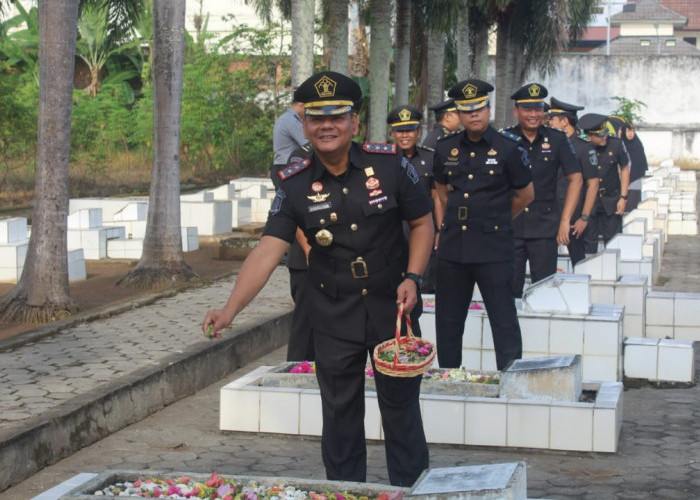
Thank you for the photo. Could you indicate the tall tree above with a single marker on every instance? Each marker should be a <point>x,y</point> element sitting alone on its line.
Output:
<point>338,35</point>
<point>381,13</point>
<point>464,42</point>
<point>302,40</point>
<point>402,52</point>
<point>435,64</point>
<point>162,261</point>
<point>41,294</point>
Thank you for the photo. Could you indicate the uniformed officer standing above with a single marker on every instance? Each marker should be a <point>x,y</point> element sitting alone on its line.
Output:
<point>541,226</point>
<point>350,200</point>
<point>638,159</point>
<point>483,180</point>
<point>563,116</point>
<point>405,130</point>
<point>614,178</point>
<point>446,122</point>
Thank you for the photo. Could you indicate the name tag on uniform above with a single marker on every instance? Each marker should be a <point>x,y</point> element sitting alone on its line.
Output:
<point>491,161</point>
<point>316,208</point>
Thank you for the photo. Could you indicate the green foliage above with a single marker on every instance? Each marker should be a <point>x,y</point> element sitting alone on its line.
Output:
<point>19,42</point>
<point>18,121</point>
<point>629,109</point>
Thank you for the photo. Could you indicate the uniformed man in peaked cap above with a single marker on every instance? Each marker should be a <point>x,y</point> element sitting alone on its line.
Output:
<point>613,177</point>
<point>404,122</point>
<point>542,226</point>
<point>563,116</point>
<point>446,122</point>
<point>638,158</point>
<point>483,180</point>
<point>350,200</point>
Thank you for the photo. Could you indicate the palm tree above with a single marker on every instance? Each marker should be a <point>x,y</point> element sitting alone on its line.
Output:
<point>402,52</point>
<point>42,294</point>
<point>338,35</point>
<point>464,45</point>
<point>162,261</point>
<point>302,40</point>
<point>381,12</point>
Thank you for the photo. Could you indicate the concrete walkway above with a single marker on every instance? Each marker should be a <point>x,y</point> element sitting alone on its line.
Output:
<point>108,394</point>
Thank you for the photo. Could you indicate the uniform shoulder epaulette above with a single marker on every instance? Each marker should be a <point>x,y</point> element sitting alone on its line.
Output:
<point>451,134</point>
<point>509,135</point>
<point>427,148</point>
<point>379,147</point>
<point>554,130</point>
<point>294,169</point>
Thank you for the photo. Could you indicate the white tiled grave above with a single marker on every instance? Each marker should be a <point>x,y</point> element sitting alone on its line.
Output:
<point>247,406</point>
<point>85,230</point>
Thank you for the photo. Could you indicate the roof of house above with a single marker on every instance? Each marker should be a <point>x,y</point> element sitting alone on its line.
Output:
<point>687,8</point>
<point>600,33</point>
<point>648,46</point>
<point>647,10</point>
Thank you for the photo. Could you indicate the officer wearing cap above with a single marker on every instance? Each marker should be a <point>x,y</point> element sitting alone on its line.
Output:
<point>483,180</point>
<point>563,116</point>
<point>541,226</point>
<point>349,199</point>
<point>404,122</point>
<point>613,178</point>
<point>638,158</point>
<point>446,122</point>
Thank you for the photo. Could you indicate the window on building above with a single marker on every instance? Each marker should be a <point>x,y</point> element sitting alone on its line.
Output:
<point>691,40</point>
<point>671,42</point>
<point>644,42</point>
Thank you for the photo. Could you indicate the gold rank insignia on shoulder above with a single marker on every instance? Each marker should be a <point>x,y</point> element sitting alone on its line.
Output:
<point>319,197</point>
<point>369,171</point>
<point>492,152</point>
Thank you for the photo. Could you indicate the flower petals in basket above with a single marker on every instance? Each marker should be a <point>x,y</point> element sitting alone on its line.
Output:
<point>404,356</point>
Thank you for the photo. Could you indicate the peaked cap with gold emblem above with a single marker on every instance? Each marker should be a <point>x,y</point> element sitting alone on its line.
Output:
<point>404,117</point>
<point>470,95</point>
<point>329,93</point>
<point>595,124</point>
<point>530,95</point>
<point>558,107</point>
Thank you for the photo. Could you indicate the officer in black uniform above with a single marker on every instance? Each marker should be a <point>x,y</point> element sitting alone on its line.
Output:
<point>404,122</point>
<point>638,158</point>
<point>614,179</point>
<point>300,346</point>
<point>483,180</point>
<point>541,226</point>
<point>563,116</point>
<point>446,122</point>
<point>350,200</point>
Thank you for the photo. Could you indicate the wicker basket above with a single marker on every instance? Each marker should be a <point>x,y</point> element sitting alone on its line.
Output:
<point>400,345</point>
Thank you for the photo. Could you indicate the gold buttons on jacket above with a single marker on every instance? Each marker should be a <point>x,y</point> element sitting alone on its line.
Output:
<point>380,206</point>
<point>346,190</point>
<point>490,172</point>
<point>364,291</point>
<point>322,221</point>
<point>470,176</point>
<point>353,227</point>
<point>526,209</point>
<point>466,195</point>
<point>472,154</point>
<point>495,228</point>
<point>334,217</point>
<point>322,285</point>
<point>464,228</point>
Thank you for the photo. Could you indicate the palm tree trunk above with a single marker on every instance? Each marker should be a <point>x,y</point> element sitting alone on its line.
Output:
<point>480,56</point>
<point>379,53</point>
<point>338,36</point>
<point>41,294</point>
<point>162,261</point>
<point>463,43</point>
<point>502,73</point>
<point>402,53</point>
<point>302,40</point>
<point>436,70</point>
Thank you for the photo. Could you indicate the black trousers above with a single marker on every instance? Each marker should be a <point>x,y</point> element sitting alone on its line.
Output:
<point>603,224</point>
<point>576,248</point>
<point>340,370</point>
<point>453,294</point>
<point>542,254</point>
<point>301,343</point>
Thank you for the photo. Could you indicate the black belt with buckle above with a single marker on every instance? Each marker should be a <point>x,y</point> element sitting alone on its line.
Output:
<point>359,267</point>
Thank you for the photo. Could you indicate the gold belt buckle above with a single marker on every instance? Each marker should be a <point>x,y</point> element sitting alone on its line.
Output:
<point>462,213</point>
<point>358,268</point>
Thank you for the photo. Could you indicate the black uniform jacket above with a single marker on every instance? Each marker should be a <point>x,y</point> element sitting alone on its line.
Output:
<point>588,163</point>
<point>435,133</point>
<point>610,159</point>
<point>480,178</point>
<point>353,223</point>
<point>422,161</point>
<point>550,152</point>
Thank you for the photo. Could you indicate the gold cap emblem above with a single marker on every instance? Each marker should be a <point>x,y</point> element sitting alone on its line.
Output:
<point>469,91</point>
<point>325,87</point>
<point>405,115</point>
<point>534,90</point>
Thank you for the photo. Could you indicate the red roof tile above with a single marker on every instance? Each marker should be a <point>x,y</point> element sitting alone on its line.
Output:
<point>687,8</point>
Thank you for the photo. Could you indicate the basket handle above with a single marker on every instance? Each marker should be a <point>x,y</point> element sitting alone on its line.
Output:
<point>409,327</point>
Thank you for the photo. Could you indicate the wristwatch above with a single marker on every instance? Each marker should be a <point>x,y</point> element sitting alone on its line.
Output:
<point>584,217</point>
<point>623,196</point>
<point>417,278</point>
